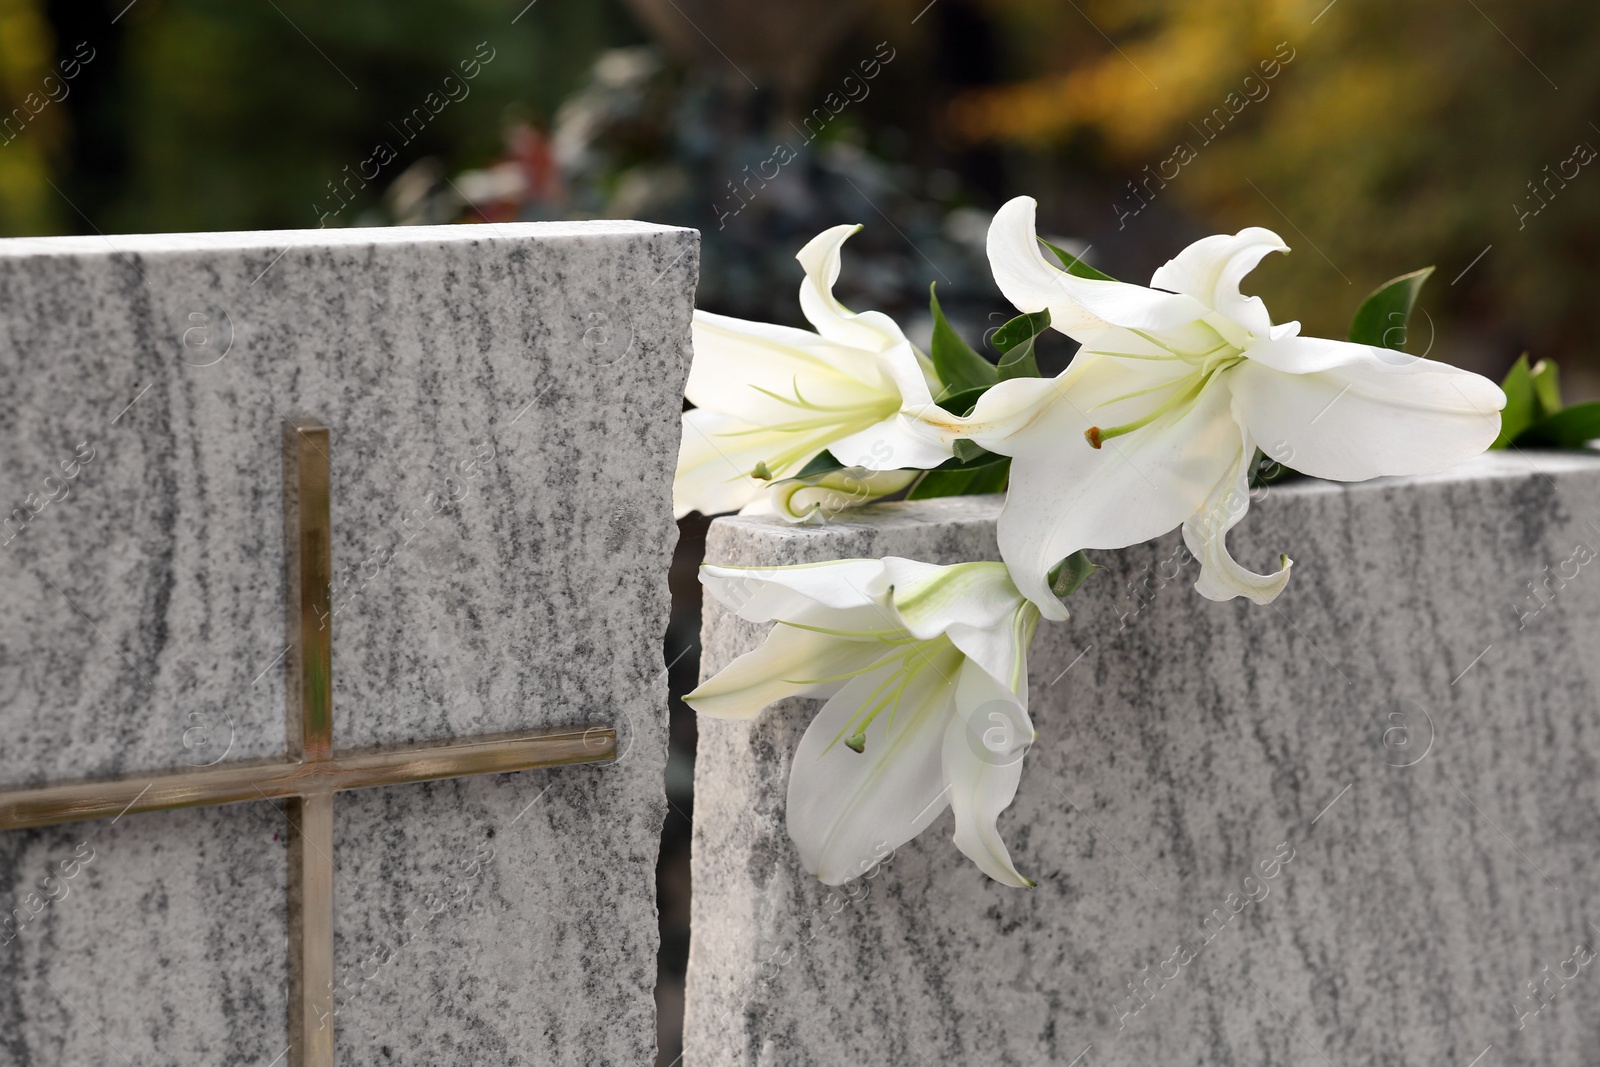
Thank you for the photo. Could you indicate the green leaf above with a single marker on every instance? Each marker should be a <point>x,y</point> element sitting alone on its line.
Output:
<point>963,481</point>
<point>969,452</point>
<point>1014,341</point>
<point>1573,428</point>
<point>958,366</point>
<point>1020,330</point>
<point>1546,387</point>
<point>1020,363</point>
<point>1070,573</point>
<point>1381,319</point>
<point>1076,266</point>
<point>1533,416</point>
<point>1522,404</point>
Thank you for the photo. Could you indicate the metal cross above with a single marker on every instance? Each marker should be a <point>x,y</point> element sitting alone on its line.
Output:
<point>311,774</point>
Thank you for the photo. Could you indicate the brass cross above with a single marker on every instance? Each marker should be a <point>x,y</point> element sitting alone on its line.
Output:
<point>311,774</point>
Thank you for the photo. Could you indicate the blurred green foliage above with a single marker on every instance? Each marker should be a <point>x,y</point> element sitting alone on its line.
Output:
<point>237,114</point>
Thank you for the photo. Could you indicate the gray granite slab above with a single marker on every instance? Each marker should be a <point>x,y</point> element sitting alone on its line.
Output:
<point>1406,742</point>
<point>503,403</point>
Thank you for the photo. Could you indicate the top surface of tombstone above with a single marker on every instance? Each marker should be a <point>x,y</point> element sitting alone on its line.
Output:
<point>502,403</point>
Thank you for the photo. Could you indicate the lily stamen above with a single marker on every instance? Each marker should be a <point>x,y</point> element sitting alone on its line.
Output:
<point>1183,402</point>
<point>1096,436</point>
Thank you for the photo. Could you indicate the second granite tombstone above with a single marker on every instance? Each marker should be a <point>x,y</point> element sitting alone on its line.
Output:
<point>1355,827</point>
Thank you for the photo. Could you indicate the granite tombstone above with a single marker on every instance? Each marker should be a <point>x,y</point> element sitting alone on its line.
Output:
<point>1355,827</point>
<point>500,405</point>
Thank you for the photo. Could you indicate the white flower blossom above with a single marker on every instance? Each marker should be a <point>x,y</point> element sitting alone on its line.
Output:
<point>924,670</point>
<point>1156,421</point>
<point>769,398</point>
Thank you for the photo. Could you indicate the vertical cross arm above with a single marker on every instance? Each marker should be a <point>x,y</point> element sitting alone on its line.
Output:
<point>309,733</point>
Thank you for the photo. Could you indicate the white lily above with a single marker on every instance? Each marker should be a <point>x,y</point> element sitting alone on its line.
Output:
<point>815,498</point>
<point>769,398</point>
<point>1157,419</point>
<point>925,673</point>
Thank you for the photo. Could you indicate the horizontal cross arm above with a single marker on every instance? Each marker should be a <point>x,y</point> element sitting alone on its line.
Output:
<point>232,783</point>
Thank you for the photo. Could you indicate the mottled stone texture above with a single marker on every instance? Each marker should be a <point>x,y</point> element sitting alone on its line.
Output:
<point>1408,724</point>
<point>503,403</point>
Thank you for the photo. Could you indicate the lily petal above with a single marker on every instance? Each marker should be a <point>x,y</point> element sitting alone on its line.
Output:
<point>1350,412</point>
<point>1066,495</point>
<point>911,373</point>
<point>1001,651</point>
<point>1211,269</point>
<point>849,809</point>
<point>739,365</point>
<point>872,331</point>
<point>789,663</point>
<point>1079,307</point>
<point>1003,411</point>
<point>761,594</point>
<point>902,440</point>
<point>984,743</point>
<point>930,599</point>
<point>1206,533</point>
<point>715,458</point>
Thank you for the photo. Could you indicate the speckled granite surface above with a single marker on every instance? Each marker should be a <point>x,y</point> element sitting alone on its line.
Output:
<point>1408,744</point>
<point>503,403</point>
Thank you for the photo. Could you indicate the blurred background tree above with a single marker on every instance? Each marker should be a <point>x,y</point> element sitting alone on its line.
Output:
<point>1375,137</point>
<point>31,146</point>
<point>1398,135</point>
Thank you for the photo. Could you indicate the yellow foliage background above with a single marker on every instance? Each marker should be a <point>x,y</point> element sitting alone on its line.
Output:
<point>1400,135</point>
<point>27,52</point>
